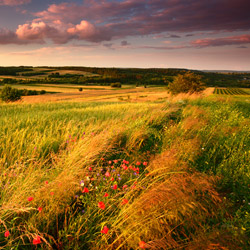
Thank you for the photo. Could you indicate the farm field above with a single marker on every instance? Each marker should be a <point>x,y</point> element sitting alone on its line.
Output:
<point>231,91</point>
<point>149,171</point>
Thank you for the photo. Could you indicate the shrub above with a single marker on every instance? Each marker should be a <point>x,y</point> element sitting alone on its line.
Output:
<point>80,89</point>
<point>115,85</point>
<point>189,82</point>
<point>42,92</point>
<point>9,94</point>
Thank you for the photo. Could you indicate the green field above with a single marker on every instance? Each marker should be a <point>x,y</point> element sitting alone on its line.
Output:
<point>231,91</point>
<point>168,175</point>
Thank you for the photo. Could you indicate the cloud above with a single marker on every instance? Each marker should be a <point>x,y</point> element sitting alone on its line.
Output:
<point>124,43</point>
<point>106,20</point>
<point>14,2</point>
<point>232,40</point>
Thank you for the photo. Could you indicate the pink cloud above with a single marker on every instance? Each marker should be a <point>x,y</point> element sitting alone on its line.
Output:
<point>14,2</point>
<point>232,40</point>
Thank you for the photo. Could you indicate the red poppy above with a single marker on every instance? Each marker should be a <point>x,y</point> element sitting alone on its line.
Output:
<point>106,195</point>
<point>112,179</point>
<point>124,201</point>
<point>115,161</point>
<point>145,163</point>
<point>46,182</point>
<point>142,244</point>
<point>124,167</point>
<point>90,168</point>
<point>85,190</point>
<point>105,230</point>
<point>7,234</point>
<point>110,162</point>
<point>52,193</point>
<point>37,240</point>
<point>101,205</point>
<point>125,186</point>
<point>30,198</point>
<point>115,186</point>
<point>102,159</point>
<point>40,209</point>
<point>138,163</point>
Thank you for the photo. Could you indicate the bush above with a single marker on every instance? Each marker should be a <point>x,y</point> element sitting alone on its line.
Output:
<point>189,82</point>
<point>42,92</point>
<point>9,94</point>
<point>80,89</point>
<point>115,85</point>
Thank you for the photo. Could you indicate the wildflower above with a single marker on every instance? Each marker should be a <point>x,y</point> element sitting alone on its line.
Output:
<point>110,162</point>
<point>125,186</point>
<point>107,174</point>
<point>138,163</point>
<point>145,163</point>
<point>101,205</point>
<point>106,195</point>
<point>124,201</point>
<point>115,186</point>
<point>82,183</point>
<point>30,198</point>
<point>124,167</point>
<point>90,168</point>
<point>37,240</point>
<point>102,159</point>
<point>40,209</point>
<point>46,182</point>
<point>112,179</point>
<point>7,234</point>
<point>115,161</point>
<point>105,230</point>
<point>142,244</point>
<point>52,193</point>
<point>85,190</point>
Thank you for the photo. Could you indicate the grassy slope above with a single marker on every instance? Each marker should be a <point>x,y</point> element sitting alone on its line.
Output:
<point>193,193</point>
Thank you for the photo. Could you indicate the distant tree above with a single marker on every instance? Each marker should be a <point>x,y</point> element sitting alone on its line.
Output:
<point>189,82</point>
<point>9,94</point>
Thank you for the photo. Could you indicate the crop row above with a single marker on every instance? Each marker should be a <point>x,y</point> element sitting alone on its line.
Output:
<point>230,91</point>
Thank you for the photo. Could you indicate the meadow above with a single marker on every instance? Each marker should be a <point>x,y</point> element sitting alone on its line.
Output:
<point>130,173</point>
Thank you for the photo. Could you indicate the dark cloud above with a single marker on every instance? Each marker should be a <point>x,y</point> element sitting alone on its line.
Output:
<point>124,43</point>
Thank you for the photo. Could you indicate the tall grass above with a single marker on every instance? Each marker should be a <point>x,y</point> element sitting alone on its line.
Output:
<point>166,169</point>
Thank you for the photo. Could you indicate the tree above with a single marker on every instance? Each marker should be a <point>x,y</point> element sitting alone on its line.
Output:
<point>9,94</point>
<point>189,82</point>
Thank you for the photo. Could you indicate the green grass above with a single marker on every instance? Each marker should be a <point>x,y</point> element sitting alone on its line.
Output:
<point>192,191</point>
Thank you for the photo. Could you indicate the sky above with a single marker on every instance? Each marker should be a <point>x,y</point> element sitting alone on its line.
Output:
<point>203,35</point>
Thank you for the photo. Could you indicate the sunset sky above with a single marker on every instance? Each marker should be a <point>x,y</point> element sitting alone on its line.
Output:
<point>205,34</point>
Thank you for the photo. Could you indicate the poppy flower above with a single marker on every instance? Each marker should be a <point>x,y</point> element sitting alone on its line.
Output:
<point>110,162</point>
<point>30,198</point>
<point>105,230</point>
<point>112,179</point>
<point>90,168</point>
<point>101,205</point>
<point>124,167</point>
<point>37,240</point>
<point>46,182</point>
<point>107,174</point>
<point>138,163</point>
<point>115,186</point>
<point>125,186</point>
<point>40,209</point>
<point>7,234</point>
<point>106,195</point>
<point>85,190</point>
<point>124,201</point>
<point>52,193</point>
<point>142,244</point>
<point>145,163</point>
<point>115,161</point>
